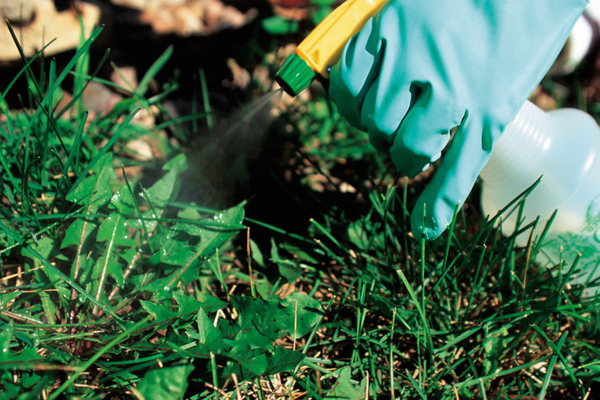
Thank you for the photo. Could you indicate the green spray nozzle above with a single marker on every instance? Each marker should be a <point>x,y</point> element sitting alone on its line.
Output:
<point>323,47</point>
<point>295,75</point>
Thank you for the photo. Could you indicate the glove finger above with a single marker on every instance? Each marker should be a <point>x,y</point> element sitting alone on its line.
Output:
<point>384,109</point>
<point>467,154</point>
<point>352,76</point>
<point>425,131</point>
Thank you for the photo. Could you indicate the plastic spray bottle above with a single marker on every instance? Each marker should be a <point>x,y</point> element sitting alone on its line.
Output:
<point>563,147</point>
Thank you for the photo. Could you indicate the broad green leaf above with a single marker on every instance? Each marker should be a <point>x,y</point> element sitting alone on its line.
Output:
<point>283,360</point>
<point>162,315</point>
<point>249,362</point>
<point>344,389</point>
<point>185,275</point>
<point>7,297</point>
<point>114,230</point>
<point>6,335</point>
<point>78,232</point>
<point>95,190</point>
<point>208,335</point>
<point>187,311</point>
<point>123,202</point>
<point>261,322</point>
<point>159,287</point>
<point>211,303</point>
<point>169,383</point>
<point>35,383</point>
<point>177,164</point>
<point>163,190</point>
<point>256,253</point>
<point>109,264</point>
<point>207,302</point>
<point>187,304</point>
<point>179,255</point>
<point>167,242</point>
<point>289,269</point>
<point>44,247</point>
<point>358,235</point>
<point>212,239</point>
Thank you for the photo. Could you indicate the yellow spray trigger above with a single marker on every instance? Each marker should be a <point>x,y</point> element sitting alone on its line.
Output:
<point>323,47</point>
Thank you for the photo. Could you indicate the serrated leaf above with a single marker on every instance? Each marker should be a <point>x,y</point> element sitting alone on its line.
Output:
<point>187,310</point>
<point>114,229</point>
<point>187,304</point>
<point>261,322</point>
<point>168,383</point>
<point>109,265</point>
<point>167,242</point>
<point>95,190</point>
<point>162,315</point>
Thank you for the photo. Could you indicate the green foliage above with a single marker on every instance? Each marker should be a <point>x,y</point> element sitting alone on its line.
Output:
<point>277,25</point>
<point>113,289</point>
<point>166,383</point>
<point>109,286</point>
<point>469,315</point>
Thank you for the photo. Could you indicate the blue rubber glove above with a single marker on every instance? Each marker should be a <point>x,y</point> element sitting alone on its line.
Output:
<point>422,67</point>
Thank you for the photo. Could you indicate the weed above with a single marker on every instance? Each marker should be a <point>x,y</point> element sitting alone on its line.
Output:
<point>113,287</point>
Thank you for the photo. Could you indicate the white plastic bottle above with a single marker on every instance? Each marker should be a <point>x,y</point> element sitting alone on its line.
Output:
<point>563,147</point>
<point>581,41</point>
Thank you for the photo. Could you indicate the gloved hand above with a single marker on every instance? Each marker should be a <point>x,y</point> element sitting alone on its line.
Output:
<point>422,67</point>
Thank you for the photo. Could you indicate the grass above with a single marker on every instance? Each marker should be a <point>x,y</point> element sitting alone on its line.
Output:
<point>112,287</point>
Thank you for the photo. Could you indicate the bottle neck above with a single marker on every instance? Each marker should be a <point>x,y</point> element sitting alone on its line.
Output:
<point>514,152</point>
